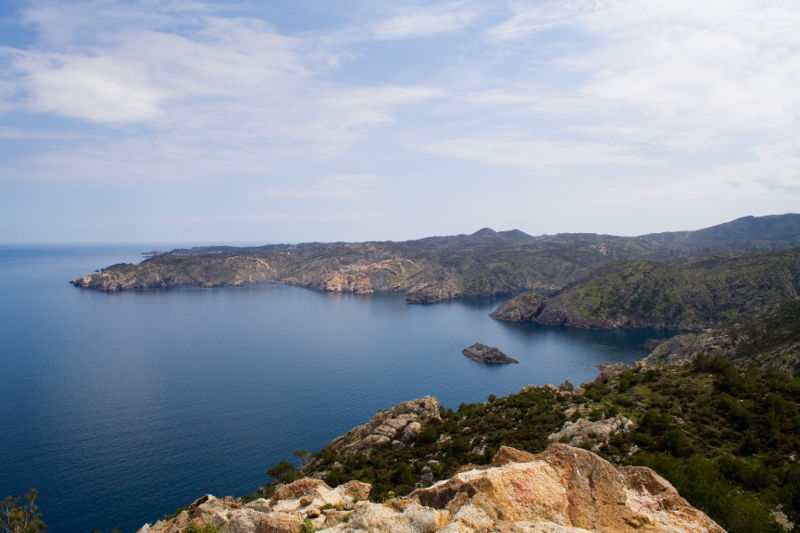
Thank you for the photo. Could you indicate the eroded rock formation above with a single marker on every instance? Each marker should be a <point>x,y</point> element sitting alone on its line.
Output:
<point>563,489</point>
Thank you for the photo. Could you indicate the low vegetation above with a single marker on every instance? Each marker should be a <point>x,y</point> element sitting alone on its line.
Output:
<point>16,517</point>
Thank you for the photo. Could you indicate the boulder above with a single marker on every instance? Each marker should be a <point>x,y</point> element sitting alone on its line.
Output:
<point>593,433</point>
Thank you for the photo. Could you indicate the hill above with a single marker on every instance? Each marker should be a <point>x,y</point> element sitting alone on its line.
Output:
<point>699,293</point>
<point>485,263</point>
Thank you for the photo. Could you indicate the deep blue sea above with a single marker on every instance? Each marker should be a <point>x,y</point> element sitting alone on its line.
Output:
<point>119,408</point>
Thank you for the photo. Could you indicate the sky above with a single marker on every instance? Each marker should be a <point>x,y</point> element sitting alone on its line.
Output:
<point>146,121</point>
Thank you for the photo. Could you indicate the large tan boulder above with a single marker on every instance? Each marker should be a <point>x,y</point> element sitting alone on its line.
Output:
<point>562,489</point>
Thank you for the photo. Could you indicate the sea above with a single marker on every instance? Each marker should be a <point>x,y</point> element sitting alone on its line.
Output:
<point>120,408</point>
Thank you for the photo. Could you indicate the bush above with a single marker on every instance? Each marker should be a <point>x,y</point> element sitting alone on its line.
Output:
<point>676,442</point>
<point>282,472</point>
<point>25,518</point>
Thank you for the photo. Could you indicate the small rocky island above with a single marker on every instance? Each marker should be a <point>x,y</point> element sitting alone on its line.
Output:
<point>487,354</point>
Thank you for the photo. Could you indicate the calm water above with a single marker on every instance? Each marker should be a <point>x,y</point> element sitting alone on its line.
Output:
<point>120,408</point>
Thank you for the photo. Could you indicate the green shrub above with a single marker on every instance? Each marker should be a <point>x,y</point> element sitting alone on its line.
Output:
<point>282,472</point>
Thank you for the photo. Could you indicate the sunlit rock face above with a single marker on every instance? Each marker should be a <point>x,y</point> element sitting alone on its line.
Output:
<point>563,489</point>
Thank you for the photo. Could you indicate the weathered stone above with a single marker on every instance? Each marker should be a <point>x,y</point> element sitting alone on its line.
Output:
<point>584,431</point>
<point>384,427</point>
<point>277,522</point>
<point>355,490</point>
<point>242,521</point>
<point>298,489</point>
<point>412,430</point>
<point>432,292</point>
<point>261,505</point>
<point>487,354</point>
<point>507,454</point>
<point>523,308</point>
<point>356,282</point>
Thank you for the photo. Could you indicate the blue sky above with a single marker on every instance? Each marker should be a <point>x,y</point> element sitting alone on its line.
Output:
<point>190,121</point>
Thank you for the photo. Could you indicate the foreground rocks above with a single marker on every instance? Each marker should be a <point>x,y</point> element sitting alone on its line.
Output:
<point>563,489</point>
<point>487,354</point>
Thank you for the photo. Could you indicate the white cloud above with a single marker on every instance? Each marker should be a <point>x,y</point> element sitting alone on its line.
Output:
<point>424,21</point>
<point>715,65</point>
<point>771,174</point>
<point>214,93</point>
<point>535,154</point>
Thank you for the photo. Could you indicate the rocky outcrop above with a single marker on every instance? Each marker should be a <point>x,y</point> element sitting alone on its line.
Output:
<point>523,308</point>
<point>399,424</point>
<point>356,283</point>
<point>293,506</point>
<point>591,433</point>
<point>487,354</point>
<point>426,293</point>
<point>563,489</point>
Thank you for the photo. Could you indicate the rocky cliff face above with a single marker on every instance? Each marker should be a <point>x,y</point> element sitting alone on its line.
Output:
<point>563,489</point>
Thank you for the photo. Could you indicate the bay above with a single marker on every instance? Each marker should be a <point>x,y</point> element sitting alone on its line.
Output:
<point>119,408</point>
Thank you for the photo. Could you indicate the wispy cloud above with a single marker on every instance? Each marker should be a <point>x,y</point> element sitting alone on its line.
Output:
<point>424,20</point>
<point>534,154</point>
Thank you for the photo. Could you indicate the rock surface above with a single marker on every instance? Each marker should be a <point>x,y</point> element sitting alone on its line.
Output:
<point>523,308</point>
<point>357,283</point>
<point>563,489</point>
<point>487,354</point>
<point>597,433</point>
<point>400,423</point>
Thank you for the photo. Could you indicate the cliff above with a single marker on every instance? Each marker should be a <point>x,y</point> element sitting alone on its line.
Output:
<point>433,269</point>
<point>562,489</point>
<point>697,294</point>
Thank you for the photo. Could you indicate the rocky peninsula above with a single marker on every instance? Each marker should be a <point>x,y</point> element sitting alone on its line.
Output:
<point>433,269</point>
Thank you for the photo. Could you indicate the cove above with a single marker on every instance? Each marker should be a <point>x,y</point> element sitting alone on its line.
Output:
<point>119,408</point>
